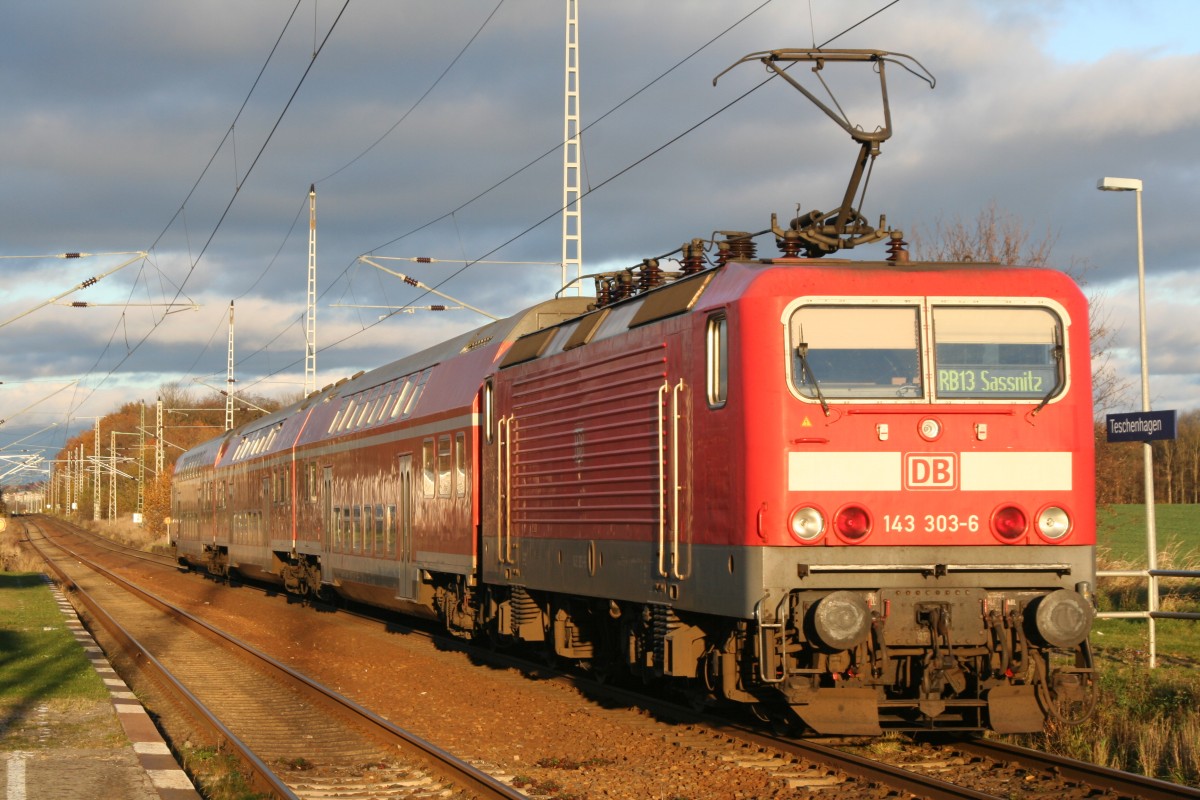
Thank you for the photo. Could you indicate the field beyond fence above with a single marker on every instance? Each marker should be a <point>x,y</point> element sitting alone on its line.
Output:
<point>1147,721</point>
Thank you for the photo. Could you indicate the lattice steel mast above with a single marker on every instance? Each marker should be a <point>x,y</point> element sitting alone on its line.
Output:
<point>310,319</point>
<point>572,221</point>
<point>229,375</point>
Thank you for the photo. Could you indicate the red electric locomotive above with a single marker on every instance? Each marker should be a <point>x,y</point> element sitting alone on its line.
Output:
<point>860,494</point>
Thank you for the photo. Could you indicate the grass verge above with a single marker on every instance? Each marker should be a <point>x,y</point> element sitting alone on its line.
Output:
<point>46,680</point>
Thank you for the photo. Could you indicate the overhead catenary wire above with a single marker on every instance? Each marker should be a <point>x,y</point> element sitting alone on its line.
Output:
<point>482,259</point>
<point>217,226</point>
<point>77,287</point>
<point>583,130</point>
<point>608,180</point>
<point>420,99</point>
<point>649,155</point>
<point>514,174</point>
<point>367,150</point>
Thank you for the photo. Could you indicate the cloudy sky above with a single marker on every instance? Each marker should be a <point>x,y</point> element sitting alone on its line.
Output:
<point>192,131</point>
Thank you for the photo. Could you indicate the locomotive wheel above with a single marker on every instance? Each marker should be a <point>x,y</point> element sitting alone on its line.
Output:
<point>781,720</point>
<point>497,642</point>
<point>548,655</point>
<point>601,670</point>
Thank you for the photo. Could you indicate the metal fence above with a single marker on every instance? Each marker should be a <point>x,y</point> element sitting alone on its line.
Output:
<point>1152,612</point>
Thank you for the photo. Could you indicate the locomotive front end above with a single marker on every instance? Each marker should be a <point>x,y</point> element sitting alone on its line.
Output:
<point>937,524</point>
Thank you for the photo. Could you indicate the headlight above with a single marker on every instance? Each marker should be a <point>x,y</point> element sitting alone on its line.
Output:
<point>1053,523</point>
<point>807,524</point>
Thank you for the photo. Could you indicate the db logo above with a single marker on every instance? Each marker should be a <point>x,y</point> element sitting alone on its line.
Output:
<point>931,471</point>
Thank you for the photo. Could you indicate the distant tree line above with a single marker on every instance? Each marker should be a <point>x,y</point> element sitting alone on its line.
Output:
<point>189,418</point>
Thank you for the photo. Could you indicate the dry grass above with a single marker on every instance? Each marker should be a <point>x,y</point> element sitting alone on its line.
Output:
<point>15,557</point>
<point>1146,721</point>
<point>124,531</point>
<point>1130,593</point>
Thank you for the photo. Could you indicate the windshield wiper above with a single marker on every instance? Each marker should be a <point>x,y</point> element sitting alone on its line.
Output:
<point>1059,372</point>
<point>809,377</point>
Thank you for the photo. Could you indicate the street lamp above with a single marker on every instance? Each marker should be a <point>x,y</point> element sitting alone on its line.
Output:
<point>1135,185</point>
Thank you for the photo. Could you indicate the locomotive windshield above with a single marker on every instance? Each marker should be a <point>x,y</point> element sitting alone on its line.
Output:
<point>996,353</point>
<point>974,352</point>
<point>856,351</point>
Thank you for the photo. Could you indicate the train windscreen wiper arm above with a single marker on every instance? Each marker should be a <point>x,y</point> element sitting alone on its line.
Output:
<point>1059,377</point>
<point>809,376</point>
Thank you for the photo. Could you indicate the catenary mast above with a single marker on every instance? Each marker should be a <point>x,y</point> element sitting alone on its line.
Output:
<point>572,232</point>
<point>310,318</point>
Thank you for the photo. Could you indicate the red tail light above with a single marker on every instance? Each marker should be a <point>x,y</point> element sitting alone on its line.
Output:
<point>1009,524</point>
<point>852,523</point>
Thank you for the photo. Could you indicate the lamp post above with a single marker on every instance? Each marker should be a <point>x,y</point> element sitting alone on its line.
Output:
<point>1135,185</point>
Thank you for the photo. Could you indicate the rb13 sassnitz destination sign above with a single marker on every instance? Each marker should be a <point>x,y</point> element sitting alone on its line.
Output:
<point>1141,426</point>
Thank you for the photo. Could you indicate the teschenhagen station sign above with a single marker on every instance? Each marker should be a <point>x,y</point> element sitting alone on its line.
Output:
<point>1141,426</point>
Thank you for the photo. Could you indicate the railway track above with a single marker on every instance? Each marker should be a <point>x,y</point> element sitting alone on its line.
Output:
<point>296,738</point>
<point>1112,782</point>
<point>975,769</point>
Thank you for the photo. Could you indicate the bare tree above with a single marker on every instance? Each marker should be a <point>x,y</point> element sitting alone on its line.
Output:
<point>997,237</point>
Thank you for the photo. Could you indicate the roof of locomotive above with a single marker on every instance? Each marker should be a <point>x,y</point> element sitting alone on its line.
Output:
<point>706,289</point>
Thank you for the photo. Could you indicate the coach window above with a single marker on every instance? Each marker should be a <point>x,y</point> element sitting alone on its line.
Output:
<point>378,406</point>
<point>489,413</point>
<point>718,360</point>
<point>445,465</point>
<point>361,416</point>
<point>411,405</point>
<point>368,532</point>
<point>428,482</point>
<point>460,464</point>
<point>380,530</point>
<point>401,396</point>
<point>348,414</point>
<point>356,530</point>
<point>390,544</point>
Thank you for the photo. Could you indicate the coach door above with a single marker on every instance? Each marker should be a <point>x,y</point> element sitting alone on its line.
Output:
<point>259,534</point>
<point>327,510</point>
<point>406,569</point>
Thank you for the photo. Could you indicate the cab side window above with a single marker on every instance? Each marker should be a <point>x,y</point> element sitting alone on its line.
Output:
<point>717,352</point>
